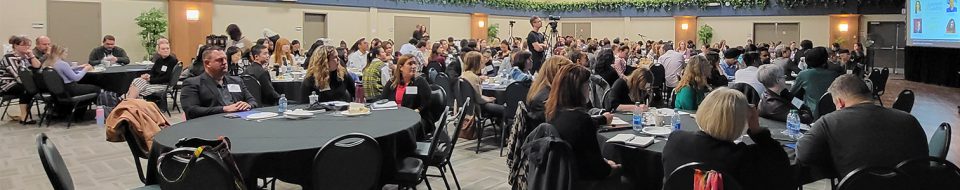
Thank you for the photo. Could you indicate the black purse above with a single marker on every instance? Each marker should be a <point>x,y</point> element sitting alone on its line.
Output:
<point>188,152</point>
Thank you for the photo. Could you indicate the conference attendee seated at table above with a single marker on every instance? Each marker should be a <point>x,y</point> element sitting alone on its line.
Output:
<point>692,87</point>
<point>295,48</point>
<point>540,88</point>
<point>234,58</point>
<point>42,48</point>
<point>716,78</point>
<point>846,66</point>
<point>748,75</point>
<point>409,90</point>
<point>109,52</point>
<point>673,63</point>
<point>859,134</point>
<point>196,68</point>
<point>158,77</point>
<point>214,92</point>
<point>438,59</point>
<point>634,89</point>
<point>471,71</point>
<point>776,101</point>
<point>357,58</point>
<point>566,111</point>
<point>604,67</point>
<point>327,78</point>
<point>579,57</point>
<point>70,75</point>
<point>781,56</point>
<point>620,62</point>
<point>374,79</point>
<point>19,60</point>
<point>283,56</point>
<point>257,70</point>
<point>729,65</point>
<point>722,118</point>
<point>815,79</point>
<point>521,63</point>
<point>764,55</point>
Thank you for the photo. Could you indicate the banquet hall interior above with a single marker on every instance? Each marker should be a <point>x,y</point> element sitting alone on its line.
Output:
<point>479,94</point>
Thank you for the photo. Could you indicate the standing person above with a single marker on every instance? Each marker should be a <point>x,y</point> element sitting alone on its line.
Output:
<point>21,59</point>
<point>42,48</point>
<point>237,39</point>
<point>109,52</point>
<point>71,75</point>
<point>258,71</point>
<point>213,91</point>
<point>535,43</point>
<point>857,55</point>
<point>358,54</point>
<point>158,77</point>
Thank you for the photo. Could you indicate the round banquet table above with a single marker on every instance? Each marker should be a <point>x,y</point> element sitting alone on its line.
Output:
<point>285,149</point>
<point>644,165</point>
<point>115,79</point>
<point>291,88</point>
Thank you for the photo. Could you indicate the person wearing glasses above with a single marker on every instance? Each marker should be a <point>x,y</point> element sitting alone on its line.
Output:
<point>776,101</point>
<point>214,92</point>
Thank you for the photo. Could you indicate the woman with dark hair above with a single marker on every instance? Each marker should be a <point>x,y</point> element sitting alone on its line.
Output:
<point>295,47</point>
<point>237,39</point>
<point>19,60</point>
<point>327,78</point>
<point>437,60</point>
<point>233,61</point>
<point>604,66</point>
<point>373,80</point>
<point>504,50</point>
<point>196,68</point>
<point>566,110</point>
<point>635,88</point>
<point>857,55</point>
<point>814,80</point>
<point>409,90</point>
<point>716,79</point>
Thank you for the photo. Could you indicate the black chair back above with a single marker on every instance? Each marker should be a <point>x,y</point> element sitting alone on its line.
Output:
<point>351,161</point>
<point>659,75</point>
<point>516,92</point>
<point>931,173</point>
<point>884,76</point>
<point>825,105</point>
<point>751,93</point>
<point>29,82</point>
<point>904,101</point>
<point>438,135</point>
<point>598,86</point>
<point>874,178</point>
<point>438,97</point>
<point>134,142</point>
<point>55,84</point>
<point>253,86</point>
<point>607,101</point>
<point>940,142</point>
<point>682,177</point>
<point>458,127</point>
<point>181,169</point>
<point>466,91</point>
<point>875,78</point>
<point>444,82</point>
<point>175,75</point>
<point>53,164</point>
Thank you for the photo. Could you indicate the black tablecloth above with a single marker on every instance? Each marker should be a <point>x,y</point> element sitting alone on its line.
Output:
<point>644,166</point>
<point>115,79</point>
<point>285,149</point>
<point>291,89</point>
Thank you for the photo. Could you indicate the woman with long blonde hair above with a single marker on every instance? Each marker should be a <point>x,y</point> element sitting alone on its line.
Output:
<point>540,88</point>
<point>70,75</point>
<point>693,85</point>
<point>283,55</point>
<point>327,78</point>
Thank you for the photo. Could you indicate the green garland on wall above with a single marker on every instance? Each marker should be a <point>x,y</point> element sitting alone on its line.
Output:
<point>596,5</point>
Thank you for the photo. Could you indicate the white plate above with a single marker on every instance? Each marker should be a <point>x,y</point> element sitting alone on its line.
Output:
<point>262,115</point>
<point>293,117</point>
<point>347,113</point>
<point>657,130</point>
<point>298,113</point>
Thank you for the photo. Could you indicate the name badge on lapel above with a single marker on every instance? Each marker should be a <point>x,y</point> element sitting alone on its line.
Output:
<point>163,68</point>
<point>233,87</point>
<point>411,90</point>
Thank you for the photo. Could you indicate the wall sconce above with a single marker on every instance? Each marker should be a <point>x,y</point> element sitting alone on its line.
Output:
<point>193,14</point>
<point>480,24</point>
<point>684,26</point>
<point>843,27</point>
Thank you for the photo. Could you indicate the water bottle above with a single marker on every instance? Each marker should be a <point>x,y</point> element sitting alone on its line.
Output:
<point>282,104</point>
<point>675,120</point>
<point>637,118</point>
<point>313,97</point>
<point>100,116</point>
<point>793,124</point>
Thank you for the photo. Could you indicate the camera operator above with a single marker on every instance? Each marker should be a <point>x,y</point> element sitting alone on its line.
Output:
<point>535,43</point>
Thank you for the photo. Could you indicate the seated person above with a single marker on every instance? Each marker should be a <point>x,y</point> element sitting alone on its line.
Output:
<point>437,60</point>
<point>373,80</point>
<point>472,66</point>
<point>692,87</point>
<point>748,75</point>
<point>258,70</point>
<point>213,92</point>
<point>234,59</point>
<point>627,91</point>
<point>327,78</point>
<point>716,78</point>
<point>814,80</point>
<point>540,89</point>
<point>71,75</point>
<point>411,91</point>
<point>521,66</point>
<point>860,133</point>
<point>847,66</point>
<point>19,60</point>
<point>721,117</point>
<point>777,100</point>
<point>109,52</point>
<point>566,111</point>
<point>158,77</point>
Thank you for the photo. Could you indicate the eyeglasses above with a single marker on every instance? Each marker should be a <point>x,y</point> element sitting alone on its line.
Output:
<point>219,60</point>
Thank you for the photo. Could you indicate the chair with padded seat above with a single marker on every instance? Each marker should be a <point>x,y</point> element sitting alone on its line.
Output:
<point>53,164</point>
<point>929,173</point>
<point>432,152</point>
<point>134,142</point>
<point>875,178</point>
<point>351,161</point>
<point>516,92</point>
<point>31,84</point>
<point>253,86</point>
<point>753,97</point>
<point>904,101</point>
<point>467,91</point>
<point>160,98</point>
<point>825,105</point>
<point>940,141</point>
<point>59,93</point>
<point>682,177</point>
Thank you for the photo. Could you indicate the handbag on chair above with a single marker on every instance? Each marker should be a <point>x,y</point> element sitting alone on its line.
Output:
<point>218,149</point>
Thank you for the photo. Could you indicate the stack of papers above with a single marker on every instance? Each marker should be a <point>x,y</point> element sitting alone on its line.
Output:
<point>632,140</point>
<point>389,105</point>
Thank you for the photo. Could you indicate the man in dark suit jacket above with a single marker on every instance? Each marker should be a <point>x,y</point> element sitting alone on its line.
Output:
<point>859,134</point>
<point>213,92</point>
<point>260,56</point>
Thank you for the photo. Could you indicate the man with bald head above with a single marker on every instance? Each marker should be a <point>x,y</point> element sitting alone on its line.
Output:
<point>214,92</point>
<point>42,48</point>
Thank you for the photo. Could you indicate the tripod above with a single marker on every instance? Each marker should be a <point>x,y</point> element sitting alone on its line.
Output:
<point>550,39</point>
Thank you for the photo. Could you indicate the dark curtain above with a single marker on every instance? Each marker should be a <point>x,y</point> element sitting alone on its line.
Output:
<point>939,66</point>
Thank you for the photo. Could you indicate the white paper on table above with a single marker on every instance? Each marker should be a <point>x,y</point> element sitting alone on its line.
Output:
<point>797,102</point>
<point>617,121</point>
<point>383,106</point>
<point>632,140</point>
<point>621,138</point>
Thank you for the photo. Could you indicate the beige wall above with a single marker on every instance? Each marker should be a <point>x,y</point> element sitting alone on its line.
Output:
<point>654,28</point>
<point>736,30</point>
<point>520,29</point>
<point>18,16</point>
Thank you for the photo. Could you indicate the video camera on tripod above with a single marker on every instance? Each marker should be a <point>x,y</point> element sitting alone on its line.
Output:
<point>553,23</point>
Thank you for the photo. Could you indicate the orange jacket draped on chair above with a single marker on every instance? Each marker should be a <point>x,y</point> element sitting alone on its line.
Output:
<point>143,116</point>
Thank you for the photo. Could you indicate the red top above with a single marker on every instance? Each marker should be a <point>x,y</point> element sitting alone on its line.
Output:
<point>401,90</point>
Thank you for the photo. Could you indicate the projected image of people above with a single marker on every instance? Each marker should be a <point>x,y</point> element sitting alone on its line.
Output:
<point>951,27</point>
<point>917,26</point>
<point>952,7</point>
<point>916,6</point>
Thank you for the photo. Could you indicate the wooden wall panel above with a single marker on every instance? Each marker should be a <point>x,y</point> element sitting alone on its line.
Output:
<point>853,28</point>
<point>683,35</point>
<point>186,36</point>
<point>477,31</point>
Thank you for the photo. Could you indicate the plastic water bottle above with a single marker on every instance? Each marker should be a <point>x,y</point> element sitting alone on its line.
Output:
<point>282,103</point>
<point>313,97</point>
<point>793,124</point>
<point>637,118</point>
<point>100,116</point>
<point>675,120</point>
